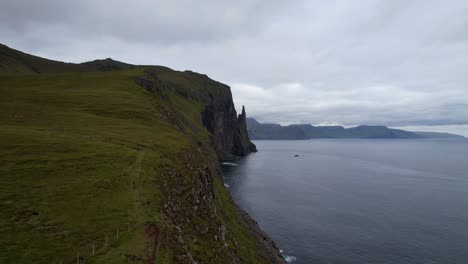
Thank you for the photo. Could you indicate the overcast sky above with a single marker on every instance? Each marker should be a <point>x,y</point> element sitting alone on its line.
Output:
<point>395,63</point>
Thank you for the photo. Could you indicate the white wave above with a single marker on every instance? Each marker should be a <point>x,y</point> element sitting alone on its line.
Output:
<point>289,259</point>
<point>226,185</point>
<point>230,164</point>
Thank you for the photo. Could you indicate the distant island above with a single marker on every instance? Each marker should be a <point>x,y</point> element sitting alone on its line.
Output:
<point>257,130</point>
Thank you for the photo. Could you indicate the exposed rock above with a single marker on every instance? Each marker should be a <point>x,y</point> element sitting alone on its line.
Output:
<point>229,130</point>
<point>231,139</point>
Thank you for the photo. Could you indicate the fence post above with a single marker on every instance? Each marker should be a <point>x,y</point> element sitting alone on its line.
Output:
<point>78,257</point>
<point>93,248</point>
<point>107,241</point>
<point>117,233</point>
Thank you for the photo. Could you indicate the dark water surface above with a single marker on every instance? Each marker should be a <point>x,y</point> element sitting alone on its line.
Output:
<point>359,201</point>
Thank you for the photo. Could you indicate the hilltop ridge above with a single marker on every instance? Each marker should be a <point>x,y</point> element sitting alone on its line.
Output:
<point>16,62</point>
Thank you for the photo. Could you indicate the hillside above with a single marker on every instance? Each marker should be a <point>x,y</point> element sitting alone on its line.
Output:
<point>119,166</point>
<point>16,62</point>
<point>258,130</point>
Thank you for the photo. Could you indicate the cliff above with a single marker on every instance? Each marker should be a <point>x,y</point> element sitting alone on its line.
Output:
<point>229,130</point>
<point>120,166</point>
<point>245,143</point>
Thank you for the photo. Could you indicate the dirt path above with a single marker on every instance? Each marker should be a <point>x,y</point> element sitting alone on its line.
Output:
<point>135,176</point>
<point>140,202</point>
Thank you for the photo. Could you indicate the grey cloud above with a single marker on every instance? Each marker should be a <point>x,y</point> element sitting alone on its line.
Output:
<point>157,22</point>
<point>398,63</point>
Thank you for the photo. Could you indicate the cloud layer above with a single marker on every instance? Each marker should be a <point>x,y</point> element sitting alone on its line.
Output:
<point>397,63</point>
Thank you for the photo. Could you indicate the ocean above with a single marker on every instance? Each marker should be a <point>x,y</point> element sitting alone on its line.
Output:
<point>358,201</point>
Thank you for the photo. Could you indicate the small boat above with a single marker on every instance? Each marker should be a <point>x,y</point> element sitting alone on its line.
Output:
<point>297,155</point>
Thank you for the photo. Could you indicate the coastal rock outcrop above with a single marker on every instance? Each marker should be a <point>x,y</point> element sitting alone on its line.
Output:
<point>229,130</point>
<point>229,133</point>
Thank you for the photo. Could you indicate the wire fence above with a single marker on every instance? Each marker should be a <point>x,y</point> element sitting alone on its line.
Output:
<point>98,246</point>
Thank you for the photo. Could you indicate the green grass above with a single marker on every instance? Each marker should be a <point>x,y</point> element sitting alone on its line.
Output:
<point>85,154</point>
<point>71,148</point>
<point>16,62</point>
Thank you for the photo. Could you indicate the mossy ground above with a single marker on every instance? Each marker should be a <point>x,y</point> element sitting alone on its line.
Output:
<point>81,156</point>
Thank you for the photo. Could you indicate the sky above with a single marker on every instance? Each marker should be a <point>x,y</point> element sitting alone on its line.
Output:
<point>396,63</point>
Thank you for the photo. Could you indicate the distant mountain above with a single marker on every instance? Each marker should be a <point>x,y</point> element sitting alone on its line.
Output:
<point>379,132</point>
<point>437,135</point>
<point>258,130</point>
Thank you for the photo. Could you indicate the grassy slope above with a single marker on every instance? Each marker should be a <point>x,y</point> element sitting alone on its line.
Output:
<point>82,154</point>
<point>16,62</point>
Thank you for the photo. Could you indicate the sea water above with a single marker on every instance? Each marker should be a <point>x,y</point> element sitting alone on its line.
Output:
<point>358,201</point>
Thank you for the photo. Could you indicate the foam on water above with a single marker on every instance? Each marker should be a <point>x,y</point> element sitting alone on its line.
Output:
<point>232,164</point>
<point>289,259</point>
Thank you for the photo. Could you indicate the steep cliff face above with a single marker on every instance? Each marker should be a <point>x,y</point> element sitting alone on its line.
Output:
<point>243,137</point>
<point>229,130</point>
